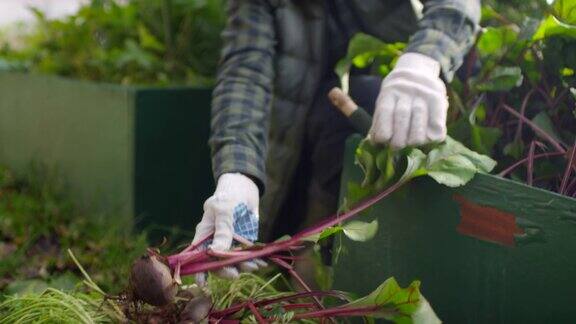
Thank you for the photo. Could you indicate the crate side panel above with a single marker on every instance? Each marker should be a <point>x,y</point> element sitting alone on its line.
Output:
<point>173,173</point>
<point>466,278</point>
<point>82,129</point>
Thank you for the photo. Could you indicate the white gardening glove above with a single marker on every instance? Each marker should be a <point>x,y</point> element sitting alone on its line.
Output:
<point>412,105</point>
<point>232,209</point>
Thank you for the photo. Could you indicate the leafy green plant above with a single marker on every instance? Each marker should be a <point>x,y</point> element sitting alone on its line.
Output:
<point>515,97</point>
<point>73,305</point>
<point>139,42</point>
<point>521,106</point>
<point>512,11</point>
<point>450,164</point>
<point>388,301</point>
<point>55,306</point>
<point>38,222</point>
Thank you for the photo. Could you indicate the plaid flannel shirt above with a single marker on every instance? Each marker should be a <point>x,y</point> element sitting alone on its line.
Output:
<point>242,98</point>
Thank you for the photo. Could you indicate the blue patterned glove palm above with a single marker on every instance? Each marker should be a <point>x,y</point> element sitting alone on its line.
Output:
<point>231,214</point>
<point>245,223</point>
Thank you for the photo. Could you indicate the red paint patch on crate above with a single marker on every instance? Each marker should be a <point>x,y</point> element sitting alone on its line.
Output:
<point>486,223</point>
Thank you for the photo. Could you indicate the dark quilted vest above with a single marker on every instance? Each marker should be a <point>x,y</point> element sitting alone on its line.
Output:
<point>300,29</point>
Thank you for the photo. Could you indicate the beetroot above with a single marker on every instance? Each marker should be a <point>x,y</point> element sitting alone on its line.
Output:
<point>197,309</point>
<point>152,282</point>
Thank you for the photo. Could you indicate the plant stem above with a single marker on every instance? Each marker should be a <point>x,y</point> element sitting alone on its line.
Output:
<point>297,277</point>
<point>301,295</point>
<point>177,277</point>
<point>536,129</point>
<point>545,95</point>
<point>339,312</point>
<point>502,19</point>
<point>568,170</point>
<point>530,167</point>
<point>235,308</point>
<point>256,313</point>
<point>471,58</point>
<point>336,219</point>
<point>196,245</point>
<point>496,113</point>
<point>519,163</point>
<point>90,283</point>
<point>297,239</point>
<point>194,255</point>
<point>523,112</point>
<point>299,306</point>
<point>571,186</point>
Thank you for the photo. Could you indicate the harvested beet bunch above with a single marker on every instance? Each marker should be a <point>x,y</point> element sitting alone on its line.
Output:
<point>155,278</point>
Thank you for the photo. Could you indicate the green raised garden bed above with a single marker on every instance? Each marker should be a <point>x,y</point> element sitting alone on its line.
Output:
<point>494,251</point>
<point>134,151</point>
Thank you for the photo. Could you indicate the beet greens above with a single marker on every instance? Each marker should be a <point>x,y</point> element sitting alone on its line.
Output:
<point>449,163</point>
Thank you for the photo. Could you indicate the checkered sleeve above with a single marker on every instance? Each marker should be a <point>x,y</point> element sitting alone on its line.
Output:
<point>241,99</point>
<point>446,32</point>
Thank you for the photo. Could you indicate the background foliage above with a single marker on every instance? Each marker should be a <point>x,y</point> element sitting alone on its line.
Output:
<point>515,96</point>
<point>139,42</point>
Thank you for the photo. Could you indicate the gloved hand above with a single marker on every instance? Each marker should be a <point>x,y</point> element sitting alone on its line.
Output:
<point>412,105</point>
<point>232,209</point>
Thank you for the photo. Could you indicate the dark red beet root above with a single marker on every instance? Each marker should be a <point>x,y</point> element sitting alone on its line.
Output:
<point>152,281</point>
<point>197,309</point>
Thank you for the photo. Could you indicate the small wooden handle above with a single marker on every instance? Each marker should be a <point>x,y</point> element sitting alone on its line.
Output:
<point>342,101</point>
<point>357,116</point>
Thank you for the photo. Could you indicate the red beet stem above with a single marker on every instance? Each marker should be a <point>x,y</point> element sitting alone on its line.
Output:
<point>275,247</point>
<point>256,313</point>
<point>227,254</point>
<point>297,277</point>
<point>299,306</point>
<point>347,311</point>
<point>340,312</point>
<point>203,255</point>
<point>195,246</point>
<point>187,258</point>
<point>536,128</point>
<point>523,161</point>
<point>568,170</point>
<point>235,308</point>
<point>242,240</point>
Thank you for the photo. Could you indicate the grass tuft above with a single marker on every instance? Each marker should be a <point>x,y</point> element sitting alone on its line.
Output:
<point>53,306</point>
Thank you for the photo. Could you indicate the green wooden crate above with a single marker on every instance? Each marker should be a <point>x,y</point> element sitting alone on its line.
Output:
<point>494,251</point>
<point>133,151</point>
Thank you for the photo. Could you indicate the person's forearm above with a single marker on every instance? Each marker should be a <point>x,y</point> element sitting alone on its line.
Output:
<point>446,32</point>
<point>242,96</point>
